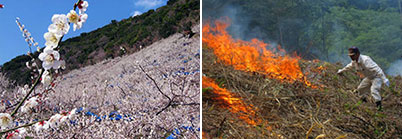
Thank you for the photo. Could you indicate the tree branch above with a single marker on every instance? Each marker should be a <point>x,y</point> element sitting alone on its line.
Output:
<point>26,125</point>
<point>167,106</point>
<point>32,88</point>
<point>27,95</point>
<point>154,83</point>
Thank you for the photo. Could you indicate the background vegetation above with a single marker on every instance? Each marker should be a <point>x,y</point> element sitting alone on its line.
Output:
<point>318,29</point>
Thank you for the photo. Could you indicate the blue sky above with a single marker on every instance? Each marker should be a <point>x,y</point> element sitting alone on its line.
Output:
<point>36,16</point>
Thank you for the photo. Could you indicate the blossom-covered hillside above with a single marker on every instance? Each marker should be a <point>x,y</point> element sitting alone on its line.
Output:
<point>151,93</point>
<point>106,42</point>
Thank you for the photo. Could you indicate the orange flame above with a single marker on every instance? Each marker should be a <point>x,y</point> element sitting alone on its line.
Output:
<point>246,112</point>
<point>205,135</point>
<point>251,56</point>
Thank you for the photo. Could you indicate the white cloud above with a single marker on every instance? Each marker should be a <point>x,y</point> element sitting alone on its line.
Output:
<point>149,3</point>
<point>135,13</point>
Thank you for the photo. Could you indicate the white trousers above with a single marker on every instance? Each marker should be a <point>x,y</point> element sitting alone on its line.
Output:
<point>372,85</point>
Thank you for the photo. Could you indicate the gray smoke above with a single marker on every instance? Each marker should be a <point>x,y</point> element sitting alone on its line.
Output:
<point>245,26</point>
<point>241,26</point>
<point>395,69</point>
<point>340,52</point>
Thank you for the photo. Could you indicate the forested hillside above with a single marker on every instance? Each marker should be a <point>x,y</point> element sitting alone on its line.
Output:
<point>117,38</point>
<point>317,29</point>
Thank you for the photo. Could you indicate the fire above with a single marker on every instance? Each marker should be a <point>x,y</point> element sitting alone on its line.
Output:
<point>236,104</point>
<point>252,56</point>
<point>321,68</point>
<point>205,135</point>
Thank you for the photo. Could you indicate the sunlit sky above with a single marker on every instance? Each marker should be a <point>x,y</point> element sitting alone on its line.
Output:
<point>36,16</point>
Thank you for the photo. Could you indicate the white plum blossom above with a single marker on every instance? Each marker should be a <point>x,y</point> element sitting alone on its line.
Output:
<point>27,64</point>
<point>50,58</point>
<point>46,78</point>
<point>78,20</point>
<point>14,135</point>
<point>24,89</point>
<point>32,102</point>
<point>5,120</point>
<point>60,25</point>
<point>82,6</point>
<point>82,19</point>
<point>54,120</point>
<point>72,114</point>
<point>63,119</point>
<point>21,130</point>
<point>43,125</point>
<point>52,39</point>
<point>17,134</point>
<point>73,17</point>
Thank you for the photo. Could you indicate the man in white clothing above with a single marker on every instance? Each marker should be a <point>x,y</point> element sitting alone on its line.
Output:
<point>374,76</point>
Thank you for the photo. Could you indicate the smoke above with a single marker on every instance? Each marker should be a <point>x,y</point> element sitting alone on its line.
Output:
<point>247,24</point>
<point>339,54</point>
<point>241,27</point>
<point>325,37</point>
<point>395,69</point>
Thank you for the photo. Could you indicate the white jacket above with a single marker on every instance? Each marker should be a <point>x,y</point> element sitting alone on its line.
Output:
<point>367,66</point>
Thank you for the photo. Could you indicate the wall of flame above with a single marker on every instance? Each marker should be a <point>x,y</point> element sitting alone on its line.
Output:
<point>251,56</point>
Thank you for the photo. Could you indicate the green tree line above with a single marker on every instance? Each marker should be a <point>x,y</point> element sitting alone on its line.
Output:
<point>318,29</point>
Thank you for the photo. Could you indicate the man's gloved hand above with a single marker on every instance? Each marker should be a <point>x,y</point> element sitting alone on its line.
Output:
<point>386,82</point>
<point>339,72</point>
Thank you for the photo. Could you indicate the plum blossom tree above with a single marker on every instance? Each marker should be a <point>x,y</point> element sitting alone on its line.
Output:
<point>150,94</point>
<point>51,62</point>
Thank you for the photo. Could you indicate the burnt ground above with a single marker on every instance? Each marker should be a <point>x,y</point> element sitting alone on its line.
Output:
<point>293,110</point>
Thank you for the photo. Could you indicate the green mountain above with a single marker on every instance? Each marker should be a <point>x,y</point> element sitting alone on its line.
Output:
<point>131,34</point>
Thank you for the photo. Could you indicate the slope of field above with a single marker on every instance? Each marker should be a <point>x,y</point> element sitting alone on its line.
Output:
<point>282,109</point>
<point>118,100</point>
